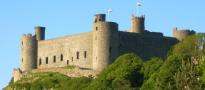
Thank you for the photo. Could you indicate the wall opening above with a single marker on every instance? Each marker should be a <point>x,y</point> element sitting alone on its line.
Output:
<point>110,49</point>
<point>67,61</point>
<point>46,60</point>
<point>61,57</point>
<point>54,59</point>
<point>85,54</point>
<point>22,60</point>
<point>72,59</point>
<point>39,61</point>
<point>96,28</point>
<point>22,43</point>
<point>77,55</point>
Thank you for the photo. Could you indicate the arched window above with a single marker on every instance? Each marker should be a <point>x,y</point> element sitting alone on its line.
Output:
<point>39,61</point>
<point>96,28</point>
<point>46,60</point>
<point>110,49</point>
<point>54,59</point>
<point>77,55</point>
<point>85,54</point>
<point>72,59</point>
<point>61,57</point>
<point>67,61</point>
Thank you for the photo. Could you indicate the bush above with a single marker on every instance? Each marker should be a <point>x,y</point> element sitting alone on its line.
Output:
<point>124,72</point>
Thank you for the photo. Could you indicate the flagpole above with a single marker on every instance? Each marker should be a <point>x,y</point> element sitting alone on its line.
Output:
<point>108,12</point>
<point>138,7</point>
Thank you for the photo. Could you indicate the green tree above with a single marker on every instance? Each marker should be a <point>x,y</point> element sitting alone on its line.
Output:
<point>124,72</point>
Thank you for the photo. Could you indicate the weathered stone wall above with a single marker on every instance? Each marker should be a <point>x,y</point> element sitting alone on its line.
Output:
<point>17,74</point>
<point>63,51</point>
<point>145,45</point>
<point>182,34</point>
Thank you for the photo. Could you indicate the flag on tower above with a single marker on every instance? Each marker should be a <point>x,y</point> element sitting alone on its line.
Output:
<point>139,4</point>
<point>109,10</point>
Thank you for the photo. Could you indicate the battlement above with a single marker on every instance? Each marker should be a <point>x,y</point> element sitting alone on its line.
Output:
<point>138,17</point>
<point>182,34</point>
<point>29,35</point>
<point>100,18</point>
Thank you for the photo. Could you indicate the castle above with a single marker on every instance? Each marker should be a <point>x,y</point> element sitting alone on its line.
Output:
<point>94,50</point>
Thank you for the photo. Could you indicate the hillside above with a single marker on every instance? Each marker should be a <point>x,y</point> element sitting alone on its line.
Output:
<point>183,69</point>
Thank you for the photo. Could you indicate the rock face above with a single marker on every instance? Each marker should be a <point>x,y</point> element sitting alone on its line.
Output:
<point>93,50</point>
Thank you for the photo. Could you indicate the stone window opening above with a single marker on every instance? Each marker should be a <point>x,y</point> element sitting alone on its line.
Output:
<point>85,54</point>
<point>54,59</point>
<point>46,60</point>
<point>22,60</point>
<point>110,49</point>
<point>22,43</point>
<point>67,61</point>
<point>72,59</point>
<point>96,28</point>
<point>77,54</point>
<point>39,61</point>
<point>61,57</point>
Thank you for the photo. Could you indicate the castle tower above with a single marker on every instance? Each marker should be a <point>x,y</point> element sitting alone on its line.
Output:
<point>138,25</point>
<point>40,33</point>
<point>182,34</point>
<point>28,53</point>
<point>105,42</point>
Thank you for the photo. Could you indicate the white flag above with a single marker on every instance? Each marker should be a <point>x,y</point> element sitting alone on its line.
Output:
<point>139,4</point>
<point>109,10</point>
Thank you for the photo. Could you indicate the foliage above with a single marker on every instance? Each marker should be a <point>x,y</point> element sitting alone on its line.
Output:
<point>124,73</point>
<point>48,80</point>
<point>152,66</point>
<point>70,67</point>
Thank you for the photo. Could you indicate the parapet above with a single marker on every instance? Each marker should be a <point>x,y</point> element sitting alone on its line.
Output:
<point>27,36</point>
<point>100,17</point>
<point>182,34</point>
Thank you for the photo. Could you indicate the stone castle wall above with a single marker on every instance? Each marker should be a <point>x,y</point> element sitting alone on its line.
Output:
<point>145,45</point>
<point>68,50</point>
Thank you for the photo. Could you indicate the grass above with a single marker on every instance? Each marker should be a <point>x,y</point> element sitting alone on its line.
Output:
<point>70,66</point>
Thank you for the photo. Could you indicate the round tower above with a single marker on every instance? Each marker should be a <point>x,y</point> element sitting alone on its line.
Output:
<point>138,25</point>
<point>182,34</point>
<point>105,42</point>
<point>40,33</point>
<point>28,53</point>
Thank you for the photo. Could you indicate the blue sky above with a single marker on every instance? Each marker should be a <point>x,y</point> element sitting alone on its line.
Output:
<point>65,17</point>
